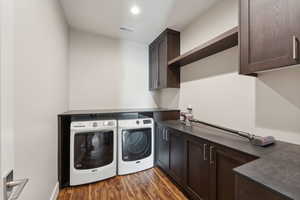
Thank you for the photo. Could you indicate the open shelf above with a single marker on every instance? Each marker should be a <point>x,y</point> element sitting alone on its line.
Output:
<point>220,43</point>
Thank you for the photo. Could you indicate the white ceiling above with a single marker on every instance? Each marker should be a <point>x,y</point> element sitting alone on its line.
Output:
<point>105,17</point>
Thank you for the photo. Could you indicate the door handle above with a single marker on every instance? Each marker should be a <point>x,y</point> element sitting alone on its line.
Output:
<point>211,159</point>
<point>20,184</point>
<point>204,152</point>
<point>295,47</point>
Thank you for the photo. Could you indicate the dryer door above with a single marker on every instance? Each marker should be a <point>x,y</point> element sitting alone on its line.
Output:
<point>136,144</point>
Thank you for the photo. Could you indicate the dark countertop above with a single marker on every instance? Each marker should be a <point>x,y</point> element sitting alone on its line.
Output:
<point>277,166</point>
<point>116,111</point>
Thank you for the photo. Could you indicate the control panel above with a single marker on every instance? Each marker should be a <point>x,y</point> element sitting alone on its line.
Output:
<point>93,124</point>
<point>147,121</point>
<point>135,122</point>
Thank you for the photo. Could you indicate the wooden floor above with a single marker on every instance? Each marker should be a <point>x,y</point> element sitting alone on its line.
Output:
<point>149,185</point>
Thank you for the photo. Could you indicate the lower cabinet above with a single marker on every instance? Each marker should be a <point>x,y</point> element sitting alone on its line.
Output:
<point>162,148</point>
<point>203,169</point>
<point>170,152</point>
<point>222,177</point>
<point>249,190</point>
<point>197,169</point>
<point>176,167</point>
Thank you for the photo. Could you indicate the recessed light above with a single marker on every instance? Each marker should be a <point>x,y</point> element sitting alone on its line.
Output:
<point>135,10</point>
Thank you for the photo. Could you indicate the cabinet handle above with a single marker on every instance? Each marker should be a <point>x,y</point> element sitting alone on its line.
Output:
<point>158,73</point>
<point>163,132</point>
<point>167,135</point>
<point>204,152</point>
<point>295,48</point>
<point>211,159</point>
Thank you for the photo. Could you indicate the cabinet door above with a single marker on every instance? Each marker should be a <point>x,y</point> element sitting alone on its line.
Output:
<point>249,190</point>
<point>222,177</point>
<point>176,141</point>
<point>164,48</point>
<point>269,32</point>
<point>162,154</point>
<point>197,168</point>
<point>162,61</point>
<point>153,66</point>
<point>151,60</point>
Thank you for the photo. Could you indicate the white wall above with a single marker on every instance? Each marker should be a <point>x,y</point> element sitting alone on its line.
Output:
<point>221,17</point>
<point>277,104</point>
<point>41,81</point>
<point>6,89</point>
<point>212,85</point>
<point>168,97</point>
<point>107,73</point>
<point>267,105</point>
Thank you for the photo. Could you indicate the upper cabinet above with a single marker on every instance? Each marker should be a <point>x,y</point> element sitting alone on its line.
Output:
<point>161,51</point>
<point>269,34</point>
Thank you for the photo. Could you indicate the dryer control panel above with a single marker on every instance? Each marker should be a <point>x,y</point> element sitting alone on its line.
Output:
<point>136,123</point>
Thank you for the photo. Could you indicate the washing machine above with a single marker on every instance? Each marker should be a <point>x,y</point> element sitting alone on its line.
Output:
<point>93,151</point>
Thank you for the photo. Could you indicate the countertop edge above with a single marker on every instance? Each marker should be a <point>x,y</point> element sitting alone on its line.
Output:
<point>116,111</point>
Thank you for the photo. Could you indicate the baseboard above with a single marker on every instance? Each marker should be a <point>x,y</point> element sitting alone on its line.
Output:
<point>55,192</point>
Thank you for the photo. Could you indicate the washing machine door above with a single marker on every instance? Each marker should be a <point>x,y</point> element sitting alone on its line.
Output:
<point>93,149</point>
<point>136,144</point>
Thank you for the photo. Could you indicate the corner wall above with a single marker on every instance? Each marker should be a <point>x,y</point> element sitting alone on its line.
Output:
<point>212,85</point>
<point>41,92</point>
<point>267,105</point>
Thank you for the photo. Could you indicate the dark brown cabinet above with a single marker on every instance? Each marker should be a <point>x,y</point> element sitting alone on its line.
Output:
<point>176,141</point>
<point>209,170</point>
<point>163,49</point>
<point>153,66</point>
<point>222,177</point>
<point>162,148</point>
<point>170,152</point>
<point>269,34</point>
<point>197,169</point>
<point>249,190</point>
<point>203,169</point>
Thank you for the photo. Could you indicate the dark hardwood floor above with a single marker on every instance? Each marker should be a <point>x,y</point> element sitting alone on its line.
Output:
<point>149,185</point>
